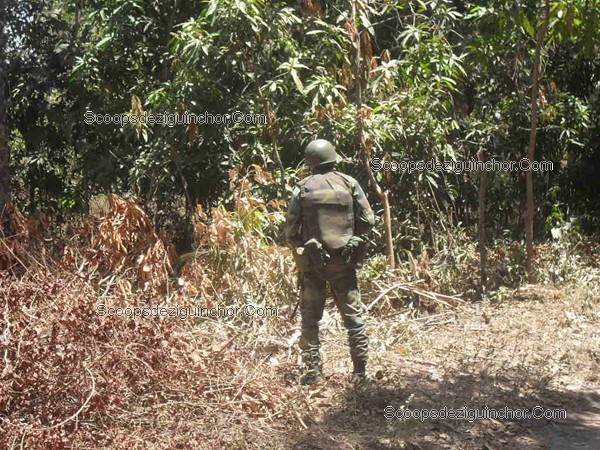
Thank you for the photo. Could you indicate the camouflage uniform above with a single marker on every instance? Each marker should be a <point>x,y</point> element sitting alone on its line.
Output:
<point>342,214</point>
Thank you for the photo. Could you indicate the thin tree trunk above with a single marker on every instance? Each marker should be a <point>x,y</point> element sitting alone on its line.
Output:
<point>5,191</point>
<point>383,195</point>
<point>481,223</point>
<point>177,160</point>
<point>272,131</point>
<point>541,35</point>
<point>387,220</point>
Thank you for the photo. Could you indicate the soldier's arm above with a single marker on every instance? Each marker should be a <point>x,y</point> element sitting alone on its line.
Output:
<point>364,218</point>
<point>293,235</point>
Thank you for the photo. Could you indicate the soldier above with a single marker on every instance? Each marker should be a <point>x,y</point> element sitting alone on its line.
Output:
<point>328,216</point>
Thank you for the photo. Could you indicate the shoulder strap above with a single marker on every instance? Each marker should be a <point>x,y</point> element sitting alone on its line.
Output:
<point>348,180</point>
<point>302,185</point>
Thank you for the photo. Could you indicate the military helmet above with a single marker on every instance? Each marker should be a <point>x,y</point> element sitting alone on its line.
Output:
<point>320,152</point>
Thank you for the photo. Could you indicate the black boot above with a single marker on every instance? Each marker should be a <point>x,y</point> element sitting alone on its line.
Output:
<point>359,374</point>
<point>312,369</point>
<point>360,367</point>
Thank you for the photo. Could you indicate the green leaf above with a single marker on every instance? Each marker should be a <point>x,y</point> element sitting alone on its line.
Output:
<point>528,27</point>
<point>102,42</point>
<point>297,80</point>
<point>431,180</point>
<point>367,23</point>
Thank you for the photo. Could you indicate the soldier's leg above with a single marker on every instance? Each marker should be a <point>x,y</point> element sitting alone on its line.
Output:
<point>344,282</point>
<point>313,294</point>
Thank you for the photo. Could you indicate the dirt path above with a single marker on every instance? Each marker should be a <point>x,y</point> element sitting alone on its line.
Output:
<point>537,347</point>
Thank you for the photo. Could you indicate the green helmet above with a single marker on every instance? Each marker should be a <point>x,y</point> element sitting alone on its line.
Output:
<point>320,152</point>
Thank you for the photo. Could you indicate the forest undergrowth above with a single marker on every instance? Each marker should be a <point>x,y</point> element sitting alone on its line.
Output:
<point>71,377</point>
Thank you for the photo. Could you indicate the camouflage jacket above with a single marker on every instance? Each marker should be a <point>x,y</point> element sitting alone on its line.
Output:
<point>363,214</point>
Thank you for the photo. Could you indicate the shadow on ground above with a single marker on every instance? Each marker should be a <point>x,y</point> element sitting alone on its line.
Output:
<point>354,418</point>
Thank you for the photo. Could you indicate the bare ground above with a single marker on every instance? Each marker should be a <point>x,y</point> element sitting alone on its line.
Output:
<point>208,385</point>
<point>538,346</point>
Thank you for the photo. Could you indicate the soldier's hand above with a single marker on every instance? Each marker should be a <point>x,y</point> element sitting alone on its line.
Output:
<point>347,253</point>
<point>350,248</point>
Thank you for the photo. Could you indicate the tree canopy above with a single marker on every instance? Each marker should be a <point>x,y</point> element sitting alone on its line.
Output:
<point>438,79</point>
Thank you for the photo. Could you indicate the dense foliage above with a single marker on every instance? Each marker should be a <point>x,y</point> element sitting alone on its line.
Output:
<point>439,79</point>
<point>138,216</point>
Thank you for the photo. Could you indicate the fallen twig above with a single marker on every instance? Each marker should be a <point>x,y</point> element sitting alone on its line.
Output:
<point>446,300</point>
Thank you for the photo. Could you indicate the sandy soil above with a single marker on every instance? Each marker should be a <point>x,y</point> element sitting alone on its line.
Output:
<point>539,346</point>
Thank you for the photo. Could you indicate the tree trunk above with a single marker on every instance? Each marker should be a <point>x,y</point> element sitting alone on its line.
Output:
<point>5,191</point>
<point>383,195</point>
<point>541,35</point>
<point>483,177</point>
<point>272,131</point>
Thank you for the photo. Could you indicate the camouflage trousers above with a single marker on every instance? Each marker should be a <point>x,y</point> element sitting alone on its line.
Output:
<point>343,281</point>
